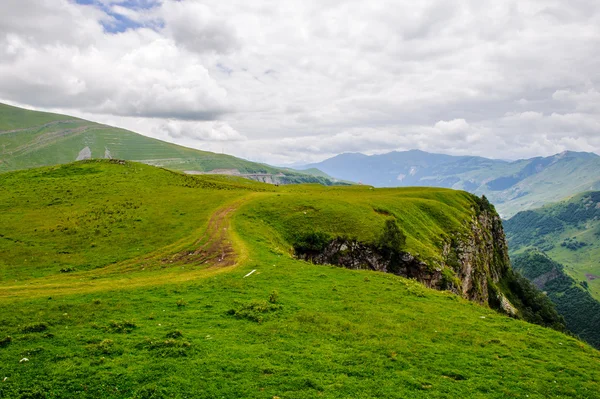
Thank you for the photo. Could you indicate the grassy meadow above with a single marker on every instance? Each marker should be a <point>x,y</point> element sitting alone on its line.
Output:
<point>121,280</point>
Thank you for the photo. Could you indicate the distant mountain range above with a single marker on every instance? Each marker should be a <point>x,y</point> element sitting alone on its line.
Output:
<point>512,186</point>
<point>31,139</point>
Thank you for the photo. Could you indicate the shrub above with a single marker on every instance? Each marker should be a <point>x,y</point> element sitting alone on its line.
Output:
<point>4,342</point>
<point>168,348</point>
<point>390,244</point>
<point>104,347</point>
<point>121,326</point>
<point>274,296</point>
<point>174,334</point>
<point>253,310</point>
<point>392,239</point>
<point>181,303</point>
<point>311,243</point>
<point>152,391</point>
<point>34,327</point>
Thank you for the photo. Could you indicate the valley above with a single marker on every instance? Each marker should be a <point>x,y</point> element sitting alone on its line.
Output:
<point>142,288</point>
<point>568,232</point>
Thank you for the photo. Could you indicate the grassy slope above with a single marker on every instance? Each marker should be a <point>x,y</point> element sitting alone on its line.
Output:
<point>547,228</point>
<point>427,216</point>
<point>331,332</point>
<point>31,139</point>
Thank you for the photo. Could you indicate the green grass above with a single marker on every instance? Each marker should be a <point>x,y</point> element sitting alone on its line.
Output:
<point>572,299</point>
<point>30,139</point>
<point>82,218</point>
<point>574,221</point>
<point>12,118</point>
<point>144,327</point>
<point>428,216</point>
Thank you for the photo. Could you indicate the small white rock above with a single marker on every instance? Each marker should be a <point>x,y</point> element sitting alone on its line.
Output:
<point>23,360</point>
<point>482,317</point>
<point>5,378</point>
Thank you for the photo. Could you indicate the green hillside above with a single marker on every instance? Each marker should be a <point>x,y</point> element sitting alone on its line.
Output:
<point>568,232</point>
<point>30,139</point>
<point>121,280</point>
<point>580,310</point>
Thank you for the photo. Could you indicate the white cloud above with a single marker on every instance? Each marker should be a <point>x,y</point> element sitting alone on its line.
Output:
<point>302,80</point>
<point>195,26</point>
<point>135,73</point>
<point>200,131</point>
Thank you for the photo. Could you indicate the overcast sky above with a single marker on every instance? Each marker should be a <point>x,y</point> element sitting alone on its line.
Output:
<point>300,81</point>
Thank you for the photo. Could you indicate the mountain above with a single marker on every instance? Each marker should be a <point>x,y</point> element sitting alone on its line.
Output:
<point>119,280</point>
<point>31,139</point>
<point>511,186</point>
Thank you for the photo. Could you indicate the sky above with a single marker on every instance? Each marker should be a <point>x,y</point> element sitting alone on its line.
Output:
<point>298,81</point>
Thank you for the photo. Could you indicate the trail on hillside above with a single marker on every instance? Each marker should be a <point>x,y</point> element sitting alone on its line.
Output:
<point>213,252</point>
<point>49,138</point>
<point>38,127</point>
<point>217,249</point>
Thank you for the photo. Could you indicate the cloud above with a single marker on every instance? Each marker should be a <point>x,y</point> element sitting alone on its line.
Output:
<point>133,73</point>
<point>197,28</point>
<point>303,80</point>
<point>200,131</point>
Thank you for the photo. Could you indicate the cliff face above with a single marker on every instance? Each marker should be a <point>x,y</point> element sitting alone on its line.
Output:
<point>480,258</point>
<point>473,262</point>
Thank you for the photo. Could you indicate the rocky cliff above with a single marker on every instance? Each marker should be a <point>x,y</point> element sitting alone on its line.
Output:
<point>473,261</point>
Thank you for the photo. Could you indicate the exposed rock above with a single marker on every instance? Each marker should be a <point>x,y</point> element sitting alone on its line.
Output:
<point>85,153</point>
<point>506,306</point>
<point>473,263</point>
<point>480,257</point>
<point>541,281</point>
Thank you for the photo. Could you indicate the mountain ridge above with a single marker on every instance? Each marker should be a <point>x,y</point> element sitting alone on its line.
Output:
<point>512,186</point>
<point>34,139</point>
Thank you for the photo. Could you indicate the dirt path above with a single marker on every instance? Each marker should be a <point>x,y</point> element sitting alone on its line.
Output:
<point>39,127</point>
<point>213,253</point>
<point>218,248</point>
